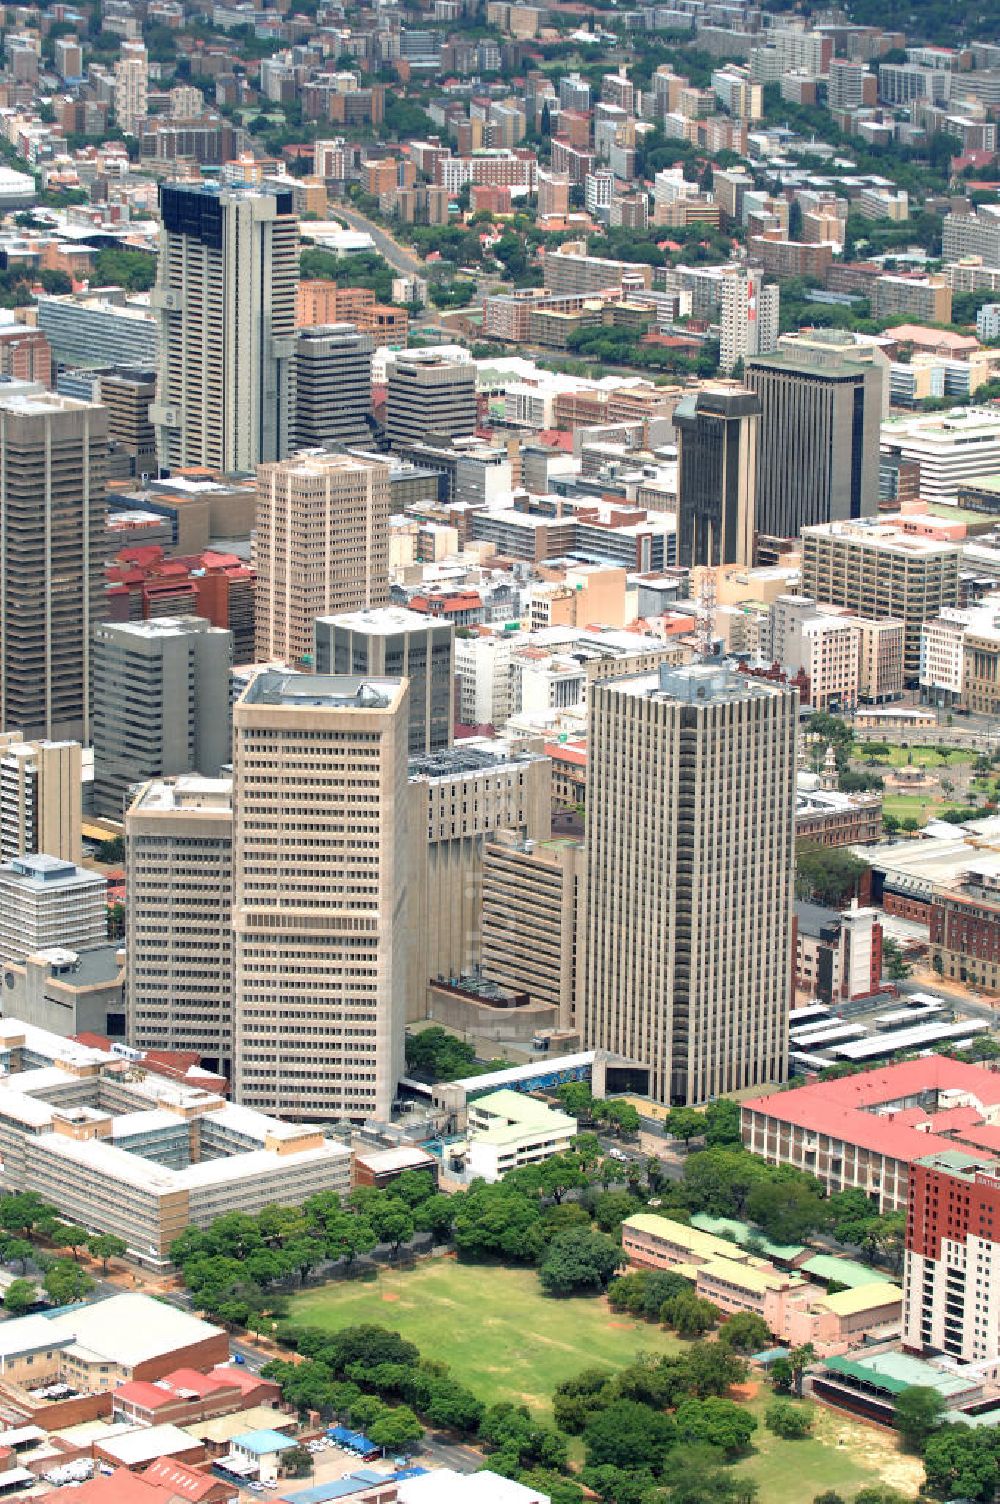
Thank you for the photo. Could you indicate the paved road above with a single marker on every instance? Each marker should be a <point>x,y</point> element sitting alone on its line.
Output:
<point>397,255</point>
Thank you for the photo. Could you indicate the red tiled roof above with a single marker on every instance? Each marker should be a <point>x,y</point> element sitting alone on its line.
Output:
<point>563,752</point>
<point>149,1396</point>
<point>177,1478</point>
<point>844,1109</point>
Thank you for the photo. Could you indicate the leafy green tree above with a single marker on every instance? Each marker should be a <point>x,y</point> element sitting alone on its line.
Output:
<point>790,1422</point>
<point>66,1282</point>
<point>510,1429</point>
<point>746,1332</point>
<point>644,1292</point>
<point>577,1399</point>
<point>20,1211</point>
<point>106,1246</point>
<point>611,1209</point>
<point>781,1376</point>
<point>436,1215</point>
<point>20,1297</point>
<point>297,1462</point>
<point>70,1235</point>
<point>628,1435</point>
<point>881,1493</point>
<point>576,1098</point>
<point>133,270</point>
<point>684,1123</point>
<point>800,1357</point>
<point>717,1423</point>
<point>18,1251</point>
<point>827,874</point>
<point>617,1485</point>
<point>894,965</point>
<point>917,1414</point>
<point>689,1315</point>
<point>493,1219</point>
<point>367,1410</point>
<point>579,1259</point>
<point>708,1368</point>
<point>722,1123</point>
<point>397,1430</point>
<point>787,1212</point>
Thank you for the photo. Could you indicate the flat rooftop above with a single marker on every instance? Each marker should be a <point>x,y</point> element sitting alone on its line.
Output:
<point>188,792</point>
<point>321,691</point>
<point>696,684</point>
<point>383,621</point>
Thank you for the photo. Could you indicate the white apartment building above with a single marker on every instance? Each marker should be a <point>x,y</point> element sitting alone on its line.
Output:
<point>41,795</point>
<point>131,87</point>
<point>944,649</point>
<point>950,448</point>
<point>46,902</point>
<point>748,323</point>
<point>320,912</point>
<point>483,670</point>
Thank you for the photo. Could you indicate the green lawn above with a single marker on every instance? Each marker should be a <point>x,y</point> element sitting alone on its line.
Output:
<point>917,806</point>
<point>841,1454</point>
<point>507,1341</point>
<point>493,1326</point>
<point>918,757</point>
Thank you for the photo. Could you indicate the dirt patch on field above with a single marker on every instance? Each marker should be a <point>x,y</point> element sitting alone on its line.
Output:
<point>745,1392</point>
<point>388,1295</point>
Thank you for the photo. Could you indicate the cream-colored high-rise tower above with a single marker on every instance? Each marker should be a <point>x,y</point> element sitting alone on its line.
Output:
<point>321,546</point>
<point>690,869</point>
<point>131,87</point>
<point>179,943</point>
<point>319,894</point>
<point>225,296</point>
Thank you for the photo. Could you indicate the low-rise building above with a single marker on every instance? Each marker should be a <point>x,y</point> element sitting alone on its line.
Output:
<point>509,1129</point>
<point>737,1282</point>
<point>863,1132</point>
<point>143,1158</point>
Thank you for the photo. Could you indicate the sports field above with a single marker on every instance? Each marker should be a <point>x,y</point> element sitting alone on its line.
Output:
<point>508,1341</point>
<point>492,1326</point>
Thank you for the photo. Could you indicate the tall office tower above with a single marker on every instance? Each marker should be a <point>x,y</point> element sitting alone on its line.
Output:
<point>128,396</point>
<point>748,321</point>
<point>319,894</point>
<point>690,868</point>
<point>333,386</point>
<point>225,298</point>
<point>161,703</point>
<point>397,644</point>
<point>821,407</point>
<point>131,87</point>
<point>717,452</point>
<point>320,546</point>
<point>428,394</point>
<point>52,513</point>
<point>179,926</point>
<point>41,798</point>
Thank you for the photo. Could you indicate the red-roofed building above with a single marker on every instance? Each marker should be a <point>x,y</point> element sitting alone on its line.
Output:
<point>188,1483</point>
<point>863,1132</point>
<point>124,1487</point>
<point>179,1398</point>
